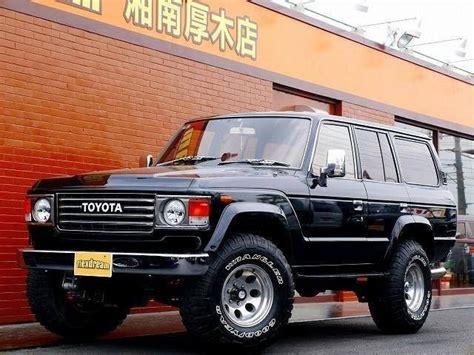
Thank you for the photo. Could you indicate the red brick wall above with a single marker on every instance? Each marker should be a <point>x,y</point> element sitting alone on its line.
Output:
<point>72,101</point>
<point>364,113</point>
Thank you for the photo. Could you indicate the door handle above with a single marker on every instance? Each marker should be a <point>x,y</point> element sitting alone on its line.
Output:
<point>358,205</point>
<point>404,207</point>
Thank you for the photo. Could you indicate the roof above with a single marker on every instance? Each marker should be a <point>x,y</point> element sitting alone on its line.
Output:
<point>320,115</point>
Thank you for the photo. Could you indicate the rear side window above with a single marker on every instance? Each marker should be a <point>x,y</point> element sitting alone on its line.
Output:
<point>416,162</point>
<point>388,160</point>
<point>376,156</point>
<point>370,155</point>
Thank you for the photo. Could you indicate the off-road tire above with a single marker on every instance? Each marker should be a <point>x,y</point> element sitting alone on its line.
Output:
<point>387,302</point>
<point>52,310</point>
<point>202,311</point>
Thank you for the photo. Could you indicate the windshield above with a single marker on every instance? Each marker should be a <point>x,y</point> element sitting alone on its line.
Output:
<point>270,141</point>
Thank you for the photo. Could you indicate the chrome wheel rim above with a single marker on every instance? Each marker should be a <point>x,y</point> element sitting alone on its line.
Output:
<point>247,295</point>
<point>414,287</point>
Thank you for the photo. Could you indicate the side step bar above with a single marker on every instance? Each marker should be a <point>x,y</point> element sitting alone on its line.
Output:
<point>438,273</point>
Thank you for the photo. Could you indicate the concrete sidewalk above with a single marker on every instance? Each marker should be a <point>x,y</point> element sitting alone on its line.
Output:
<point>33,335</point>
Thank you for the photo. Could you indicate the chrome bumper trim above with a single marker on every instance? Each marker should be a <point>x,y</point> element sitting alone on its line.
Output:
<point>158,255</point>
<point>143,263</point>
<point>438,273</point>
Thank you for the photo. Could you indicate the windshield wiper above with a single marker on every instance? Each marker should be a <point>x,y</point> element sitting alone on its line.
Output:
<point>191,158</point>
<point>256,162</point>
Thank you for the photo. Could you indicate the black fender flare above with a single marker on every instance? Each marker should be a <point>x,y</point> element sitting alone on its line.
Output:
<point>239,208</point>
<point>401,223</point>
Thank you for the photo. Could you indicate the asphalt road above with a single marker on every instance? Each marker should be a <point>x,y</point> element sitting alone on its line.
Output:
<point>445,332</point>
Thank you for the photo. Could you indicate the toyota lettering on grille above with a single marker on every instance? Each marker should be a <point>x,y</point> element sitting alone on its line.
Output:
<point>102,207</point>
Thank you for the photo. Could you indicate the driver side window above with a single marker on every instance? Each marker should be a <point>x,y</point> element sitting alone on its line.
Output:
<point>333,137</point>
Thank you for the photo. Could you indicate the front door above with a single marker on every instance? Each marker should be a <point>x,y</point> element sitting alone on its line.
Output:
<point>336,233</point>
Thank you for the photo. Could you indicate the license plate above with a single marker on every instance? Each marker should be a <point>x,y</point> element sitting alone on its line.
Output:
<point>93,264</point>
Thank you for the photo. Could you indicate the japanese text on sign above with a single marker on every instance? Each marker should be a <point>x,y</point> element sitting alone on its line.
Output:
<point>195,21</point>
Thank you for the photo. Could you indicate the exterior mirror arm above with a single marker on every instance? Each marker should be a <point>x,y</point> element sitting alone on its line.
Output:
<point>149,161</point>
<point>321,180</point>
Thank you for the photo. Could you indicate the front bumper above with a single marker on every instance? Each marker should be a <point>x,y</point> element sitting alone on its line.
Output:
<point>123,263</point>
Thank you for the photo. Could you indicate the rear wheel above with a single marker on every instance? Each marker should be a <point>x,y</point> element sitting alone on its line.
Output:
<point>245,298</point>
<point>60,314</point>
<point>400,303</point>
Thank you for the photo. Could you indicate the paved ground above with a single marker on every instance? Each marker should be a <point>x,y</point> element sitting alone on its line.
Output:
<point>447,331</point>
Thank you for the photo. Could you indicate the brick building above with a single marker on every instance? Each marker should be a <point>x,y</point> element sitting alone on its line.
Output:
<point>91,85</point>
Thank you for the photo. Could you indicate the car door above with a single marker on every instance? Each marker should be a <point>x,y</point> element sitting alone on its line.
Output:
<point>420,170</point>
<point>387,198</point>
<point>336,231</point>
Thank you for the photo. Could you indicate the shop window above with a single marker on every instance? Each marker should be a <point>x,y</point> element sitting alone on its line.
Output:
<point>333,137</point>
<point>429,132</point>
<point>416,162</point>
<point>461,230</point>
<point>287,99</point>
<point>470,235</point>
<point>457,158</point>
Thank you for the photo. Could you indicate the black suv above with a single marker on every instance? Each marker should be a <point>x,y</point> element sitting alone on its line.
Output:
<point>238,212</point>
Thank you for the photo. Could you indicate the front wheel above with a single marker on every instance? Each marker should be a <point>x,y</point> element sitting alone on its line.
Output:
<point>400,303</point>
<point>245,298</point>
<point>57,312</point>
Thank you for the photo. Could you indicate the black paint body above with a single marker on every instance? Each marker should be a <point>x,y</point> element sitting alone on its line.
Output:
<point>319,229</point>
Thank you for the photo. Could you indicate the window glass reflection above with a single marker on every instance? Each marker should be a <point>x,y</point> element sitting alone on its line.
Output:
<point>402,125</point>
<point>457,158</point>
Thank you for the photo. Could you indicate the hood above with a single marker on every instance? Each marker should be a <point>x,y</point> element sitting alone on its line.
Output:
<point>166,178</point>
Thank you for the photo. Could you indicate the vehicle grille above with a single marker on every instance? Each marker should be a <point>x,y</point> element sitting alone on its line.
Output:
<point>137,215</point>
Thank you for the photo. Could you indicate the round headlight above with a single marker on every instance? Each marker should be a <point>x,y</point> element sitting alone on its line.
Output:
<point>174,212</point>
<point>41,210</point>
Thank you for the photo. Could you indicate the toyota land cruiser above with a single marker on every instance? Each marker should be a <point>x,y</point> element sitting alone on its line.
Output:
<point>238,212</point>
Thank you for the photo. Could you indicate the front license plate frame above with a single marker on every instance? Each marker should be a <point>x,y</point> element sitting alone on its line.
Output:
<point>93,264</point>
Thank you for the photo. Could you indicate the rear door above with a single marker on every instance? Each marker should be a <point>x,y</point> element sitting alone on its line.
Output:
<point>428,197</point>
<point>387,196</point>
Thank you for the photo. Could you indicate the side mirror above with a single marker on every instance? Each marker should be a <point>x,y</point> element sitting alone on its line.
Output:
<point>149,160</point>
<point>335,167</point>
<point>335,163</point>
<point>146,161</point>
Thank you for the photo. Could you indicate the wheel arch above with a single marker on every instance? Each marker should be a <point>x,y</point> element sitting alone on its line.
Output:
<point>268,221</point>
<point>415,228</point>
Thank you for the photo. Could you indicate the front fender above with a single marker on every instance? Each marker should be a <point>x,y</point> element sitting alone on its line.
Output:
<point>239,208</point>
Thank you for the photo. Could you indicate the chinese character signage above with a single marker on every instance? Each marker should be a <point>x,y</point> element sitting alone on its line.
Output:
<point>191,20</point>
<point>90,5</point>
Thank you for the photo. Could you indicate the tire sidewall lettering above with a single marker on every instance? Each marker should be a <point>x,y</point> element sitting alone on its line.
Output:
<point>257,257</point>
<point>420,314</point>
<point>242,334</point>
<point>263,328</point>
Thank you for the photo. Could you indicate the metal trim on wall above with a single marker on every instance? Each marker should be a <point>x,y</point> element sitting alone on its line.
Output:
<point>359,39</point>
